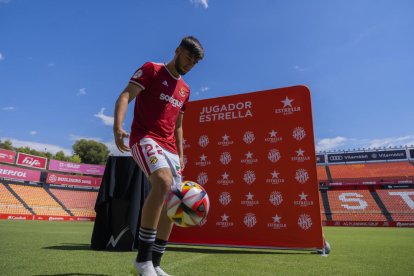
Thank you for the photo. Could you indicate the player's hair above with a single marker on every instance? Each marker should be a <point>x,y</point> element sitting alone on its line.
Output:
<point>194,46</point>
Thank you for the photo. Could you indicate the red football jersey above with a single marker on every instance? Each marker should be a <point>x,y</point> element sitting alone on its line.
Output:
<point>158,105</point>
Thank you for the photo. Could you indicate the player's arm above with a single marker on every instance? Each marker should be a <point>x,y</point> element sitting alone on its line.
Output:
<point>178,133</point>
<point>121,107</point>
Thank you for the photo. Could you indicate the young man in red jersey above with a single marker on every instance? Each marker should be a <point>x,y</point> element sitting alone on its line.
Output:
<point>156,142</point>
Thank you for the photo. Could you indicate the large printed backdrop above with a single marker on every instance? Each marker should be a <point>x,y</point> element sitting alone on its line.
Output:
<point>254,154</point>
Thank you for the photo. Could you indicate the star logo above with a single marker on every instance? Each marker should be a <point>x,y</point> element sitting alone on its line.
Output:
<point>303,196</point>
<point>287,102</point>
<point>225,176</point>
<point>249,196</point>
<point>300,152</point>
<point>249,155</point>
<point>225,137</point>
<point>203,157</point>
<point>273,133</point>
<point>275,174</point>
<point>224,217</point>
<point>276,219</point>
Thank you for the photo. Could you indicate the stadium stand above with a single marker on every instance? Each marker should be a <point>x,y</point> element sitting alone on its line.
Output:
<point>321,173</point>
<point>350,205</point>
<point>39,200</point>
<point>9,204</point>
<point>80,203</point>
<point>372,171</point>
<point>400,203</point>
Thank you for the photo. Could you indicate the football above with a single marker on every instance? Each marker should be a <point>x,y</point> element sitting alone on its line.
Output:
<point>187,204</point>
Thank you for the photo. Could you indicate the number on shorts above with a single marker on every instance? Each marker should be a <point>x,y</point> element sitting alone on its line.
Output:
<point>150,150</point>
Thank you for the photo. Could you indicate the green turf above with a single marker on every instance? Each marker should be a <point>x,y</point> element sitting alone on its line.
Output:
<point>62,248</point>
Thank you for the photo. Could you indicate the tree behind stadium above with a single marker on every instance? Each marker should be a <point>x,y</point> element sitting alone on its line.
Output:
<point>90,151</point>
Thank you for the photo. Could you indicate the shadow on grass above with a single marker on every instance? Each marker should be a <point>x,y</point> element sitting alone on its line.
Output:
<point>73,274</point>
<point>70,246</point>
<point>232,250</point>
<point>176,248</point>
<point>81,247</point>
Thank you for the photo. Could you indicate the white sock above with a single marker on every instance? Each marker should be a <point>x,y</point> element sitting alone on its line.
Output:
<point>145,268</point>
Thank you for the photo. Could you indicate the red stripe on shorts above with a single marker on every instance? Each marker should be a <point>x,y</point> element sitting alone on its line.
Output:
<point>137,157</point>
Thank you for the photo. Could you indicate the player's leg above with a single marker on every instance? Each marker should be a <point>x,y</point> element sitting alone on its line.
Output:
<point>161,181</point>
<point>163,233</point>
<point>165,225</point>
<point>151,160</point>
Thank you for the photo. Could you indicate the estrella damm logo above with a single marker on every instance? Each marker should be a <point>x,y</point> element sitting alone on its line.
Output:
<point>153,160</point>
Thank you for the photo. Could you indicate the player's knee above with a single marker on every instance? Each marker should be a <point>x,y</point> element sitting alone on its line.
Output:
<point>161,183</point>
<point>165,187</point>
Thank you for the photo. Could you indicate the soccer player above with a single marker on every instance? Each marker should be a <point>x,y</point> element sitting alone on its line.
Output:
<point>156,142</point>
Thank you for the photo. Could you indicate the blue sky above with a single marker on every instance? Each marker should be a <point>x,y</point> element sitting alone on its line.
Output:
<point>63,63</point>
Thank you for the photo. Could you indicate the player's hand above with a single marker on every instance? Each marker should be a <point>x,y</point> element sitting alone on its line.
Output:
<point>182,164</point>
<point>119,135</point>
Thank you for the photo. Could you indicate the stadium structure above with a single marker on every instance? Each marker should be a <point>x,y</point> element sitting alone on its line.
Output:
<point>357,188</point>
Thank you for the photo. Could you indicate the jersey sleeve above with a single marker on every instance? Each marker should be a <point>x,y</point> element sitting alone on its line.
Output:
<point>185,104</point>
<point>143,76</point>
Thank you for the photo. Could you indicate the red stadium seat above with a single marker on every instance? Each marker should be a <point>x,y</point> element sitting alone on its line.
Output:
<point>373,171</point>
<point>400,203</point>
<point>354,205</point>
<point>39,200</point>
<point>9,204</point>
<point>80,203</point>
<point>321,173</point>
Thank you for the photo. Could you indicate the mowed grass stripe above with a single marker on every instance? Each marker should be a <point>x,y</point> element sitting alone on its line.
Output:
<point>62,248</point>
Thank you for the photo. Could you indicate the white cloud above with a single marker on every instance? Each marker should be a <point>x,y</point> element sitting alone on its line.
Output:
<point>33,132</point>
<point>327,144</point>
<point>299,68</point>
<point>202,90</point>
<point>342,143</point>
<point>203,3</point>
<point>1,56</point>
<point>106,120</point>
<point>407,140</point>
<point>82,92</point>
<point>38,146</point>
<point>74,137</point>
<point>8,108</point>
<point>205,88</point>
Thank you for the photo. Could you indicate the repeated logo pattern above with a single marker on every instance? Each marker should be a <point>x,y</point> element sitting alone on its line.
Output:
<point>225,158</point>
<point>248,137</point>
<point>249,177</point>
<point>251,167</point>
<point>274,155</point>
<point>259,171</point>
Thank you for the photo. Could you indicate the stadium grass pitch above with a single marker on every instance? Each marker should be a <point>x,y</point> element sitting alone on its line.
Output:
<point>62,248</point>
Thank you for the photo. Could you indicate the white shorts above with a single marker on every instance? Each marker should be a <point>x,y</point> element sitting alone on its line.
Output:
<point>150,157</point>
